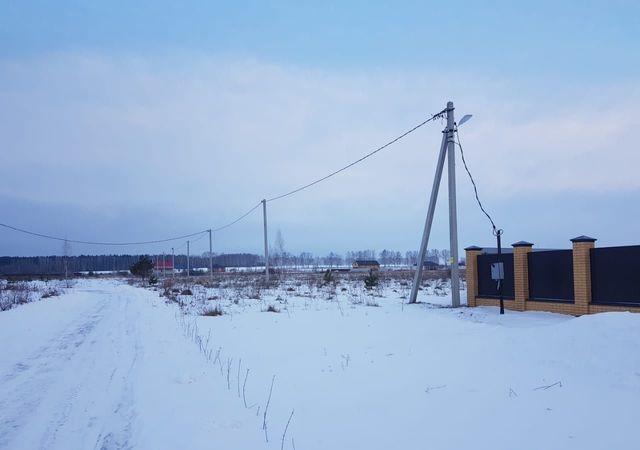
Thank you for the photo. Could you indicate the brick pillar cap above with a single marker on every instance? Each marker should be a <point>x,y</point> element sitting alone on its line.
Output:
<point>473,247</point>
<point>583,238</point>
<point>522,244</point>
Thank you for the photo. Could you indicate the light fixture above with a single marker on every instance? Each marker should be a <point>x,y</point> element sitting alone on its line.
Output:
<point>464,119</point>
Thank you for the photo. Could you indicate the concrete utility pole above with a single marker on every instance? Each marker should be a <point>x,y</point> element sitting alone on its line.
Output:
<point>447,150</point>
<point>453,211</point>
<point>188,268</point>
<point>266,241</point>
<point>173,263</point>
<point>163,265</point>
<point>210,256</point>
<point>427,225</point>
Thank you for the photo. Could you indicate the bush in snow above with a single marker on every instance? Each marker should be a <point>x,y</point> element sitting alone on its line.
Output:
<point>372,279</point>
<point>328,276</point>
<point>271,308</point>
<point>212,312</point>
<point>143,268</point>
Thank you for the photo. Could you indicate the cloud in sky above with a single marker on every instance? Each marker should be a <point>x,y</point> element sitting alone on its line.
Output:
<point>192,141</point>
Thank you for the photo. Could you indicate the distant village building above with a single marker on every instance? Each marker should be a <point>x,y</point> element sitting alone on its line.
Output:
<point>430,265</point>
<point>366,264</point>
<point>219,268</point>
<point>204,270</point>
<point>160,265</point>
<point>433,259</point>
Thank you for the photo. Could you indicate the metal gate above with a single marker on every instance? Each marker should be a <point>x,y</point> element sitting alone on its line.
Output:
<point>488,288</point>
<point>615,275</point>
<point>551,276</point>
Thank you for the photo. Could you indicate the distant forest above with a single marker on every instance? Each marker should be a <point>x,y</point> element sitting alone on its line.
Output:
<point>49,265</point>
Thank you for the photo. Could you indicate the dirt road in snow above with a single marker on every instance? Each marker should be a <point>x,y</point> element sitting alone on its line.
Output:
<point>73,387</point>
<point>103,367</point>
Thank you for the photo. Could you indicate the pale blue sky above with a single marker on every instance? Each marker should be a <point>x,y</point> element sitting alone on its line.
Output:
<point>100,102</point>
<point>563,40</point>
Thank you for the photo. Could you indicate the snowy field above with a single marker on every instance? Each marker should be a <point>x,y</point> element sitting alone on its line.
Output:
<point>112,366</point>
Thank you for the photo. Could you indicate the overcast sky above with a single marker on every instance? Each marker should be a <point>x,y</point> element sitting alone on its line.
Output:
<point>127,121</point>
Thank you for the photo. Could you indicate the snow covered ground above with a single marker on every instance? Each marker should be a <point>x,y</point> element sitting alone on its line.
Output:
<point>16,293</point>
<point>112,366</point>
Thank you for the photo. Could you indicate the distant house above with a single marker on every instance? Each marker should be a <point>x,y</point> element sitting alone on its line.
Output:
<point>219,268</point>
<point>163,265</point>
<point>204,270</point>
<point>366,264</point>
<point>430,265</point>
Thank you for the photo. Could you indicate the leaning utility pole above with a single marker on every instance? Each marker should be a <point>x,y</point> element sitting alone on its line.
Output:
<point>427,226</point>
<point>447,150</point>
<point>210,257</point>
<point>266,241</point>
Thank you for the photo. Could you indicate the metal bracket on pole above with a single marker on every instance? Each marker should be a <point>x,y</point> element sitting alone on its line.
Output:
<point>266,241</point>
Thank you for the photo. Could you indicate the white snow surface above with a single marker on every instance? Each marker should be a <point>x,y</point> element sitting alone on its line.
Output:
<point>111,366</point>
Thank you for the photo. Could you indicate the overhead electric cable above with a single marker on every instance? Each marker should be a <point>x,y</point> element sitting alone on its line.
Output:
<point>319,180</point>
<point>176,238</point>
<point>156,241</point>
<point>76,241</point>
<point>475,188</point>
<point>238,219</point>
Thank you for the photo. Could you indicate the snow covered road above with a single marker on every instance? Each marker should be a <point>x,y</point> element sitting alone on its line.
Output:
<point>97,369</point>
<point>71,387</point>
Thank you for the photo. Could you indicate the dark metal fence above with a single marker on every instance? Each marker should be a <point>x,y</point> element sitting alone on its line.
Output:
<point>488,288</point>
<point>615,275</point>
<point>551,276</point>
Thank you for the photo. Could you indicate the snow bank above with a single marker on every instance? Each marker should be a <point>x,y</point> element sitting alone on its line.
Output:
<point>113,366</point>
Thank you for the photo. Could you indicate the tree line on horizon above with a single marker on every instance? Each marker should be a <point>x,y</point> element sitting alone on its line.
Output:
<point>47,265</point>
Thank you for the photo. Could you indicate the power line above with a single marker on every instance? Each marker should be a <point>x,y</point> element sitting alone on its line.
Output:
<point>156,241</point>
<point>176,238</point>
<point>75,241</point>
<point>433,117</point>
<point>191,242</point>
<point>475,188</point>
<point>238,219</point>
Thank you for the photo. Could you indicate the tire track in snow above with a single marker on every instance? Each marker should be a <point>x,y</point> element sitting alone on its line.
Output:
<point>23,389</point>
<point>60,348</point>
<point>117,435</point>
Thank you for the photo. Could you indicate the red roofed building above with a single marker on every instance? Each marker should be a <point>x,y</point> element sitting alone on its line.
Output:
<point>160,265</point>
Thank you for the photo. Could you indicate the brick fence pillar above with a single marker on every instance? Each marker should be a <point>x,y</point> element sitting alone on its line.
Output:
<point>471,259</point>
<point>582,246</point>
<point>521,273</point>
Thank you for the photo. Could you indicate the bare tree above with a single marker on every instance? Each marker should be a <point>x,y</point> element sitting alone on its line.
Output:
<point>446,255</point>
<point>279,247</point>
<point>411,257</point>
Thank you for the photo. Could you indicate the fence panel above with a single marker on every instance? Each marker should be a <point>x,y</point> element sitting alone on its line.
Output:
<point>551,276</point>
<point>488,288</point>
<point>615,275</point>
